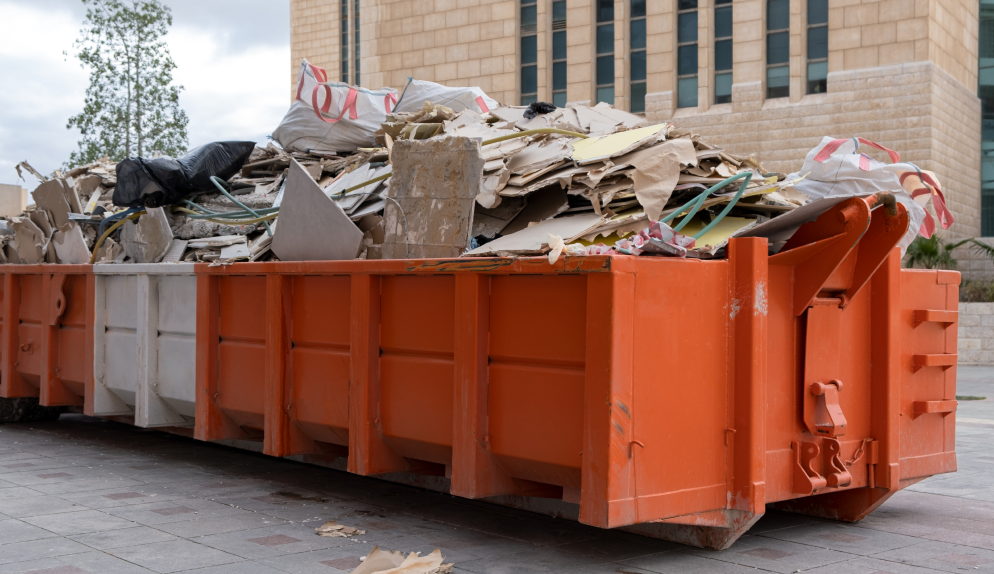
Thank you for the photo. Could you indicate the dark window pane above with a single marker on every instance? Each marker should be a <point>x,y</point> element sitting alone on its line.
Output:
<point>687,27</point>
<point>605,95</point>
<point>687,60</point>
<point>605,10</point>
<point>723,55</point>
<point>559,11</point>
<point>559,99</point>
<point>686,4</point>
<point>817,11</point>
<point>559,45</point>
<point>720,2</point>
<point>529,16</point>
<point>605,70</point>
<point>723,88</point>
<point>778,82</point>
<point>605,39</point>
<point>529,49</point>
<point>818,43</point>
<point>817,77</point>
<point>638,34</point>
<point>638,98</point>
<point>357,82</point>
<point>638,8</point>
<point>559,76</point>
<point>529,79</point>
<point>525,100</point>
<point>638,66</point>
<point>686,89</point>
<point>777,14</point>
<point>778,48</point>
<point>723,22</point>
<point>523,2</point>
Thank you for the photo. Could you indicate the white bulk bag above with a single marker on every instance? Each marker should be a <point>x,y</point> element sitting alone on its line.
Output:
<point>834,167</point>
<point>418,92</point>
<point>331,116</point>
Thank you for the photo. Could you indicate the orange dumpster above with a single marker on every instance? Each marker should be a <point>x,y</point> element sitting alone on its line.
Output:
<point>673,397</point>
<point>47,348</point>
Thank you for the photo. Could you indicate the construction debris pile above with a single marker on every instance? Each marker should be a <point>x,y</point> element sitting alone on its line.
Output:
<point>471,178</point>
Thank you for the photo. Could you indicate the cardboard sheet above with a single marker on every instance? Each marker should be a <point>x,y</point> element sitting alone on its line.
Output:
<point>657,170</point>
<point>539,156</point>
<point>312,227</point>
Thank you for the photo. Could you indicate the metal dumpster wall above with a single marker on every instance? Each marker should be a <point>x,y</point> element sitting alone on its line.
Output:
<point>145,344</point>
<point>47,333</point>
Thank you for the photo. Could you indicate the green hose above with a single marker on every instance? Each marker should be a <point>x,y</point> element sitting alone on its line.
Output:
<point>696,203</point>
<point>217,181</point>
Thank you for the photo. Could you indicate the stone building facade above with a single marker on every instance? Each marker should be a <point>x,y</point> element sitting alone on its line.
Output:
<point>769,76</point>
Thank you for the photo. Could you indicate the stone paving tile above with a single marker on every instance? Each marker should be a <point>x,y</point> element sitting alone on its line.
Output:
<point>174,556</point>
<point>16,531</point>
<point>240,568</point>
<point>37,505</point>
<point>274,541</point>
<point>842,537</point>
<point>97,563</point>
<point>174,509</point>
<point>36,549</point>
<point>70,523</point>
<point>220,525</point>
<point>773,555</point>
<point>124,537</point>
<point>942,556</point>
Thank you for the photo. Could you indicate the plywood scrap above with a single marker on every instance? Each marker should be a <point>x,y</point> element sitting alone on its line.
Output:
<point>312,227</point>
<point>434,187</point>
<point>70,245</point>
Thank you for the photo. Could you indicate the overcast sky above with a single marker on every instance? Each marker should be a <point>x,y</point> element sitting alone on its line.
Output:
<point>232,57</point>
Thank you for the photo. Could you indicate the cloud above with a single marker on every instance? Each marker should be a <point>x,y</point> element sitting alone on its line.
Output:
<point>232,59</point>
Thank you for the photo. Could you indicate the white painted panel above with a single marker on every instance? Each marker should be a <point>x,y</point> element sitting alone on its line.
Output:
<point>121,295</point>
<point>177,372</point>
<point>178,304</point>
<point>120,363</point>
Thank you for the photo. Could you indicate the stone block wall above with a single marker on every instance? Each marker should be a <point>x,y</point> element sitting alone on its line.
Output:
<point>972,265</point>
<point>976,334</point>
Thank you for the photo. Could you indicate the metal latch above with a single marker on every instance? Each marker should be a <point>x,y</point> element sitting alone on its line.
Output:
<point>828,418</point>
<point>806,478</point>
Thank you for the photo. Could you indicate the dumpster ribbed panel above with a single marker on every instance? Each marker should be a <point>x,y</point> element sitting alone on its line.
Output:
<point>242,351</point>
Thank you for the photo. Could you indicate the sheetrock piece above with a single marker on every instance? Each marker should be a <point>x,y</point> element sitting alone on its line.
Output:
<point>490,222</point>
<point>510,113</point>
<point>43,220</point>
<point>463,118</point>
<point>502,149</point>
<point>70,245</point>
<point>525,179</point>
<point>215,242</point>
<point>91,205</point>
<point>627,119</point>
<point>415,564</point>
<point>354,177</point>
<point>148,240</point>
<point>534,240</point>
<point>236,251</point>
<point>312,227</point>
<point>29,241</point>
<point>657,170</point>
<point>109,251</point>
<point>542,205</point>
<point>367,208</point>
<point>718,234</point>
<point>564,177</point>
<point>614,145</point>
<point>379,560</point>
<point>176,250</point>
<point>539,156</point>
<point>51,196</point>
<point>27,167</point>
<point>435,183</point>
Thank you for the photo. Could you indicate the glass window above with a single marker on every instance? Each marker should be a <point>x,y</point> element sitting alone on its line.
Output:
<point>559,81</point>
<point>777,48</point>
<point>687,54</point>
<point>723,52</point>
<point>986,93</point>
<point>605,51</point>
<point>817,47</point>
<point>355,43</point>
<point>636,49</point>
<point>529,52</point>
<point>345,40</point>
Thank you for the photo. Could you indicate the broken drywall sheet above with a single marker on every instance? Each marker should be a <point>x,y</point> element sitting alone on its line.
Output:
<point>534,240</point>
<point>312,227</point>
<point>657,170</point>
<point>29,241</point>
<point>176,250</point>
<point>70,245</point>
<point>490,222</point>
<point>539,156</point>
<point>148,240</point>
<point>435,183</point>
<point>51,196</point>
<point>601,148</point>
<point>393,562</point>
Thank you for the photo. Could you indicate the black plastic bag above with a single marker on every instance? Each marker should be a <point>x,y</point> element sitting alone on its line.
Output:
<point>536,108</point>
<point>166,181</point>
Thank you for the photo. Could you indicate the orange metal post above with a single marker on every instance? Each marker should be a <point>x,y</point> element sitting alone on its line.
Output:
<point>12,383</point>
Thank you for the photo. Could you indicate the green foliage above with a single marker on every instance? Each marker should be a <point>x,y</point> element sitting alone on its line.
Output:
<point>131,106</point>
<point>976,292</point>
<point>932,253</point>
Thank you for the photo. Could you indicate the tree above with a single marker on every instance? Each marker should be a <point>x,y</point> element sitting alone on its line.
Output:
<point>131,106</point>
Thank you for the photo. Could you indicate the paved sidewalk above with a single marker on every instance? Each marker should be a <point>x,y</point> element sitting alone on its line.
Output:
<point>83,495</point>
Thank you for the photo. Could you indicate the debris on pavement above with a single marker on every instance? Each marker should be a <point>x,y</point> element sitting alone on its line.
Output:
<point>393,562</point>
<point>335,530</point>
